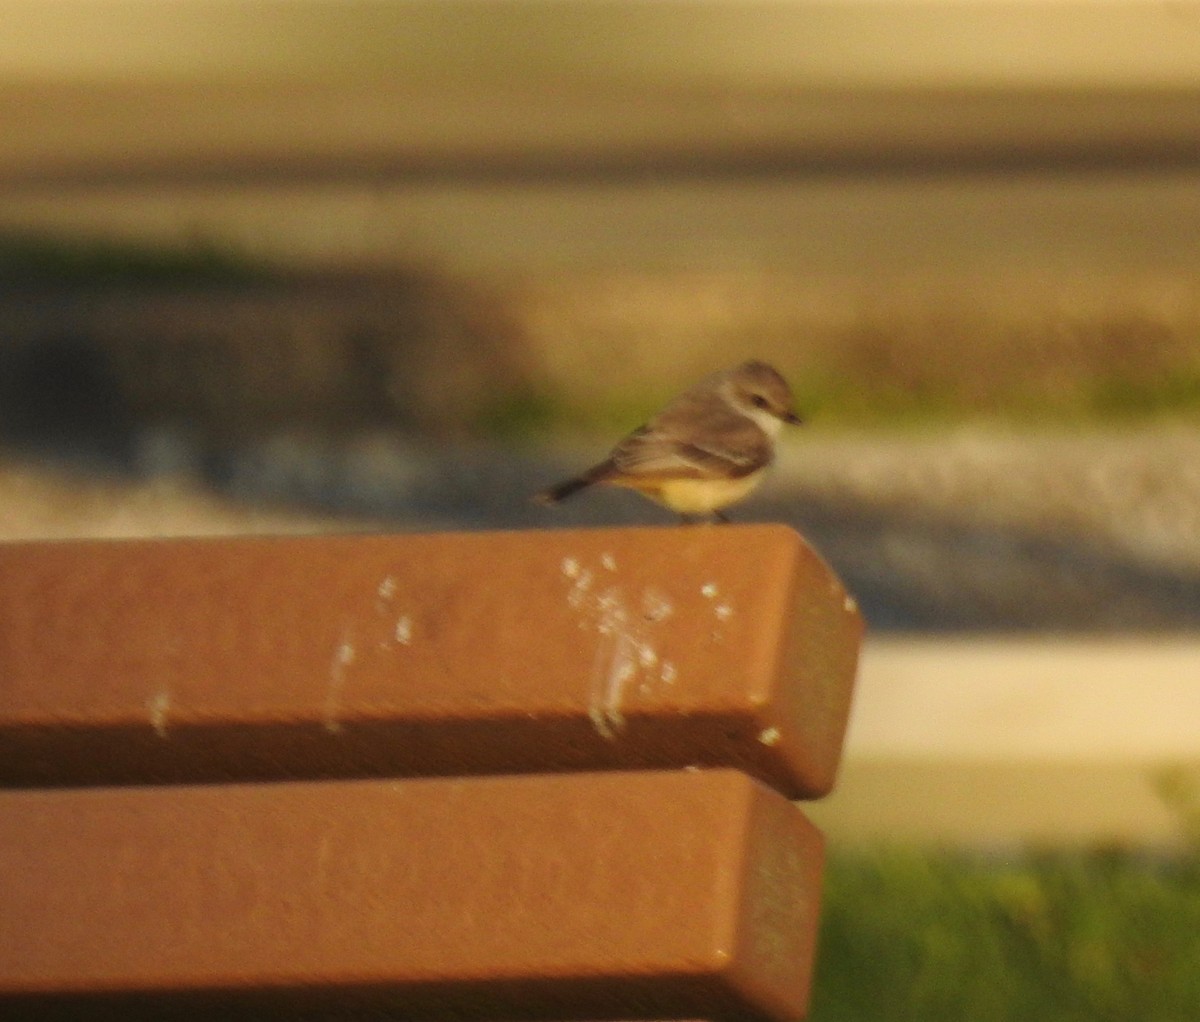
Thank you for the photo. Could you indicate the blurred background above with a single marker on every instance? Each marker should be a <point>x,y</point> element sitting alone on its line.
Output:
<point>300,266</point>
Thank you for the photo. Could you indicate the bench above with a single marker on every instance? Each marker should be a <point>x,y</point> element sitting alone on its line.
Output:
<point>491,776</point>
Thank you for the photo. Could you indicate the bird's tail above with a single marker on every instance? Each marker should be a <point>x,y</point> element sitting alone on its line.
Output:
<point>570,487</point>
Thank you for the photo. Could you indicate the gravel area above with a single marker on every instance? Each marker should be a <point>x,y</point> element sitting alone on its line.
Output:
<point>44,504</point>
<point>1134,491</point>
<point>983,529</point>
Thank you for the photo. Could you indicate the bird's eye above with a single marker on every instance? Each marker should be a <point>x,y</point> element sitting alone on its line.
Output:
<point>758,401</point>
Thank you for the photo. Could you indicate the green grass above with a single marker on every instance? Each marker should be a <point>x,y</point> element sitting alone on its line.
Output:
<point>857,398</point>
<point>871,404</point>
<point>1062,937</point>
<point>529,414</point>
<point>1095,393</point>
<point>1174,392</point>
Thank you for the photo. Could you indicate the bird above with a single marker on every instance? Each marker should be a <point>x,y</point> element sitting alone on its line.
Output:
<point>708,448</point>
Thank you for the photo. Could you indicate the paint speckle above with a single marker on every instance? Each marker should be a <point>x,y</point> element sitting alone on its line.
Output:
<point>770,736</point>
<point>570,567</point>
<point>709,590</point>
<point>668,673</point>
<point>387,588</point>
<point>403,631</point>
<point>159,705</point>
<point>647,657</point>
<point>608,562</point>
<point>723,611</point>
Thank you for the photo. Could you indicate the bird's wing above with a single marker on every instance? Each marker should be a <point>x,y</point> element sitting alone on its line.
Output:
<point>730,446</point>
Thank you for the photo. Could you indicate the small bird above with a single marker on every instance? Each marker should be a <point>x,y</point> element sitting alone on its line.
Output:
<point>707,449</point>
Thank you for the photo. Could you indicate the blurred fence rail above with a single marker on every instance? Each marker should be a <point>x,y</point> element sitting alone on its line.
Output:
<point>497,135</point>
<point>73,135</point>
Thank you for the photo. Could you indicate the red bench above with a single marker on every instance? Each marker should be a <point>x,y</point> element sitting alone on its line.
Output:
<point>488,776</point>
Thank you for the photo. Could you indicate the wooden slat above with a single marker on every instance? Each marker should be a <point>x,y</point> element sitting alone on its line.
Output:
<point>246,659</point>
<point>618,895</point>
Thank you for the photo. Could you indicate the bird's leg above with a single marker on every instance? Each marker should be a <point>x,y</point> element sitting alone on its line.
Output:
<point>721,517</point>
<point>686,519</point>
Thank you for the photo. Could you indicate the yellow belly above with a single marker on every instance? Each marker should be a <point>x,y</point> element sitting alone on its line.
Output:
<point>697,496</point>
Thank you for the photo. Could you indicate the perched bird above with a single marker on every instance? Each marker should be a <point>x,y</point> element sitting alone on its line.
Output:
<point>707,449</point>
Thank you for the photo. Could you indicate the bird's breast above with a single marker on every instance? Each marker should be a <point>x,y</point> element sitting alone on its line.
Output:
<point>700,496</point>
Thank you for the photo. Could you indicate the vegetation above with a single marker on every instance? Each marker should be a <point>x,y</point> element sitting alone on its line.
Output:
<point>1105,935</point>
<point>1027,347</point>
<point>596,353</point>
<point>1058,937</point>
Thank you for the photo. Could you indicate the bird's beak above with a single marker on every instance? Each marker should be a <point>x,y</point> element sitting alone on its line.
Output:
<point>792,419</point>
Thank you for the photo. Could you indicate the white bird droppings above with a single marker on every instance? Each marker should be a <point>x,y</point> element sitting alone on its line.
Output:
<point>159,704</point>
<point>770,736</point>
<point>723,611</point>
<point>849,604</point>
<point>655,606</point>
<point>580,587</point>
<point>343,656</point>
<point>615,664</point>
<point>709,590</point>
<point>387,588</point>
<point>403,630</point>
<point>626,660</point>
